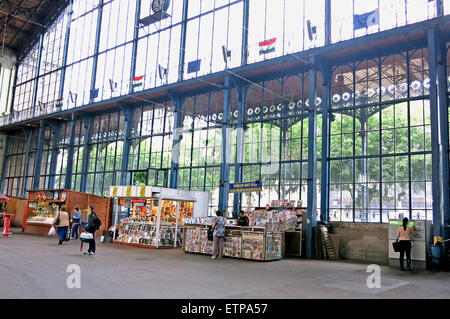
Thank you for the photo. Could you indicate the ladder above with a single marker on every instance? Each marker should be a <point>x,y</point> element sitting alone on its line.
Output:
<point>327,247</point>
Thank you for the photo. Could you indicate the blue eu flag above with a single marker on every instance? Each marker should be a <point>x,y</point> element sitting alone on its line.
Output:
<point>194,66</point>
<point>94,94</point>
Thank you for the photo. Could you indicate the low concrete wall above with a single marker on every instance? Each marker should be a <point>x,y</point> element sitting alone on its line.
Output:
<point>362,241</point>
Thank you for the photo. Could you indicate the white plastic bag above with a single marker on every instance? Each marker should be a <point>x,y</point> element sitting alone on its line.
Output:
<point>52,231</point>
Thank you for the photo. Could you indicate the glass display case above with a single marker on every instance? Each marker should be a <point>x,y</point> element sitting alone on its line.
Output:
<point>145,226</point>
<point>44,206</point>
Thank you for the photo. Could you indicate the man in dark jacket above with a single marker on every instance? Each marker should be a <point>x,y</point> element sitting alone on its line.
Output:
<point>93,225</point>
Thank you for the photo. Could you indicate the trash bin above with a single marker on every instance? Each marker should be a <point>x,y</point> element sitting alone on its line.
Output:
<point>107,236</point>
<point>436,253</point>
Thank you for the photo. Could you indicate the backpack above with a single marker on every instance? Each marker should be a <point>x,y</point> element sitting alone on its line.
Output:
<point>96,223</point>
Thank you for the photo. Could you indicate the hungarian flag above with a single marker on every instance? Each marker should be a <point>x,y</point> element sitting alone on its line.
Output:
<point>138,81</point>
<point>267,46</point>
<point>59,102</point>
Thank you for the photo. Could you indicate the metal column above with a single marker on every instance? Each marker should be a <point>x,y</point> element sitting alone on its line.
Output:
<point>66,49</point>
<point>38,158</point>
<point>225,164</point>
<point>96,48</point>
<point>325,164</point>
<point>56,134</point>
<point>244,53</point>
<point>4,189</point>
<point>311,215</point>
<point>88,123</point>
<point>126,144</point>
<point>70,154</point>
<point>28,135</point>
<point>240,148</point>
<point>439,131</point>
<point>38,73</point>
<point>183,41</point>
<point>135,43</point>
<point>177,137</point>
<point>327,22</point>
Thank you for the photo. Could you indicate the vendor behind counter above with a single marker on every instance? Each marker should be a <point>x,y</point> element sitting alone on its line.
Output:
<point>243,220</point>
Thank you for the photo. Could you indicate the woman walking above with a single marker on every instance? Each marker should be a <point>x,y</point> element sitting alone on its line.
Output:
<point>404,233</point>
<point>61,223</point>
<point>219,232</point>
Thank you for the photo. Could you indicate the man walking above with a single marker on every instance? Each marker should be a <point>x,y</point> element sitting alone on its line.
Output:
<point>94,224</point>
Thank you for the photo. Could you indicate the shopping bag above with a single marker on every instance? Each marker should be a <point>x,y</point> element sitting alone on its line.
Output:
<point>68,233</point>
<point>52,231</point>
<point>397,247</point>
<point>86,237</point>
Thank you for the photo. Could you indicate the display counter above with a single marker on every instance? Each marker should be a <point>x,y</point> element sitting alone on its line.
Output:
<point>44,204</point>
<point>262,240</point>
<point>153,217</point>
<point>252,243</point>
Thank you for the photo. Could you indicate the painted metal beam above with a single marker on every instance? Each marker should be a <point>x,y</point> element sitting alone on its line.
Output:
<point>327,22</point>
<point>135,43</point>
<point>38,71</point>
<point>70,153</point>
<point>242,90</point>
<point>325,163</point>
<point>226,148</point>
<point>311,215</point>
<point>439,131</point>
<point>66,49</point>
<point>56,135</point>
<point>245,21</point>
<point>182,56</point>
<point>88,124</point>
<point>96,48</point>
<point>28,135</point>
<point>176,143</point>
<point>126,144</point>
<point>38,158</point>
<point>4,189</point>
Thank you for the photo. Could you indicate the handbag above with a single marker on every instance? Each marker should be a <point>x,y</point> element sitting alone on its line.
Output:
<point>56,221</point>
<point>397,246</point>
<point>68,233</point>
<point>210,234</point>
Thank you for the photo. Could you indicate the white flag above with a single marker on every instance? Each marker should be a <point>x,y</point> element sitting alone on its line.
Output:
<point>373,19</point>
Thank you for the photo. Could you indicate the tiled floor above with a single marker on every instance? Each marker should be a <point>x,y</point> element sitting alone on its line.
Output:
<point>36,267</point>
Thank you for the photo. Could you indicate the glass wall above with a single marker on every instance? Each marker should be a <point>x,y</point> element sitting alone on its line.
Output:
<point>376,15</point>
<point>380,140</point>
<point>7,77</point>
<point>123,48</point>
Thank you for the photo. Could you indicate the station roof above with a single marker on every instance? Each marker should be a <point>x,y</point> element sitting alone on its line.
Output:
<point>22,21</point>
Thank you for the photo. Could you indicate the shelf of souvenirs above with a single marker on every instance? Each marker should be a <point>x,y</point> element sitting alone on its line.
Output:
<point>146,236</point>
<point>240,242</point>
<point>148,212</point>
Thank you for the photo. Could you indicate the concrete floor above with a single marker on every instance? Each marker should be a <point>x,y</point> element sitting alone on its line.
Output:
<point>35,267</point>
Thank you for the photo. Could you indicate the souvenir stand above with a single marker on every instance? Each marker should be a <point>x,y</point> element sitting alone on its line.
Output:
<point>262,240</point>
<point>44,204</point>
<point>153,217</point>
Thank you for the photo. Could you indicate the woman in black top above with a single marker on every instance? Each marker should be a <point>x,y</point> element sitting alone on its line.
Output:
<point>242,220</point>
